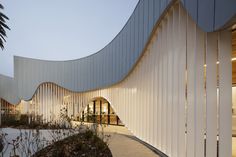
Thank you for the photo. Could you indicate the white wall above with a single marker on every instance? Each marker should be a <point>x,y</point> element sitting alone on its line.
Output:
<point>234,110</point>
<point>168,100</point>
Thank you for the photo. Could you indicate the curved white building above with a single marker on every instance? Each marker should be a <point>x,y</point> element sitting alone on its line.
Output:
<point>167,75</point>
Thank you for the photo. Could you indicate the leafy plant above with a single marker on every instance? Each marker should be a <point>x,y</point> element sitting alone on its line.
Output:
<point>3,26</point>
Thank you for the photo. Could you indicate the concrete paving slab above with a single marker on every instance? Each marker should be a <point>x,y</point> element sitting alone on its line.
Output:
<point>125,146</point>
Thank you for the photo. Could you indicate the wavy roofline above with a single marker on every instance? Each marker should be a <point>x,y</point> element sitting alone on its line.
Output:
<point>109,65</point>
<point>90,55</point>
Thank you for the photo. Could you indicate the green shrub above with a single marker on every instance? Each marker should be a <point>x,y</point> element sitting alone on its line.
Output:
<point>23,119</point>
<point>9,120</point>
<point>88,134</point>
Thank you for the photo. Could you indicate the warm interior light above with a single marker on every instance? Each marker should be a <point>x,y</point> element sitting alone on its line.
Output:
<point>234,27</point>
<point>105,109</point>
<point>66,97</point>
<point>233,59</point>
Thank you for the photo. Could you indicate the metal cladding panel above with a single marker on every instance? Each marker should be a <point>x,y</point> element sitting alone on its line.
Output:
<point>114,62</point>
<point>141,25</point>
<point>87,74</point>
<point>128,45</point>
<point>151,15</point>
<point>163,5</point>
<point>7,89</point>
<point>94,71</point>
<point>122,59</point>
<point>77,75</point>
<point>124,51</point>
<point>72,78</point>
<point>146,18</point>
<point>224,12</point>
<point>111,63</point>
<point>121,55</point>
<point>118,57</point>
<point>74,73</point>
<point>106,75</point>
<point>211,15</point>
<point>130,42</point>
<point>206,19</point>
<point>133,35</point>
<point>152,101</point>
<point>75,70</point>
<point>191,6</point>
<point>156,10</point>
<point>136,34</point>
<point>102,81</point>
<point>82,77</point>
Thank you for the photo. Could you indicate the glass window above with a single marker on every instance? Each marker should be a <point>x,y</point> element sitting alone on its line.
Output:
<point>90,108</point>
<point>105,112</point>
<point>97,110</point>
<point>113,119</point>
<point>102,116</point>
<point>97,107</point>
<point>112,111</point>
<point>105,108</point>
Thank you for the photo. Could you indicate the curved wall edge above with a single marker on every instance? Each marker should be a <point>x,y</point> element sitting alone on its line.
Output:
<point>116,60</point>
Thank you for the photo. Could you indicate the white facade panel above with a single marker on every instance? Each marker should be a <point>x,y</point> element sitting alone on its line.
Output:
<point>162,100</point>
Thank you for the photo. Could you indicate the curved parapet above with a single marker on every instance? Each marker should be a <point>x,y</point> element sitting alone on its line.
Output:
<point>152,101</point>
<point>115,61</point>
<point>8,89</point>
<point>168,99</point>
<point>104,68</point>
<point>211,15</point>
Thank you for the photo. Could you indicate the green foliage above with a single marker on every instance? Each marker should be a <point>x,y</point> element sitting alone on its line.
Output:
<point>14,120</point>
<point>3,26</point>
<point>88,134</point>
<point>9,120</point>
<point>23,119</point>
<point>66,140</point>
<point>82,144</point>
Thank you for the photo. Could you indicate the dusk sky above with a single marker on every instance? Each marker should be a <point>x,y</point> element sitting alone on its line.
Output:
<point>60,29</point>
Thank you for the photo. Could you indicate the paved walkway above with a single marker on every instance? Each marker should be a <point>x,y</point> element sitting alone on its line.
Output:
<point>122,144</point>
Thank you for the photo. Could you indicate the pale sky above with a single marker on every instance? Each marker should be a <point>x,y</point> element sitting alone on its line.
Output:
<point>61,29</point>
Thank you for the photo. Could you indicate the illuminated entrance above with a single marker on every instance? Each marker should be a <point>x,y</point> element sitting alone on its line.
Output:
<point>100,111</point>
